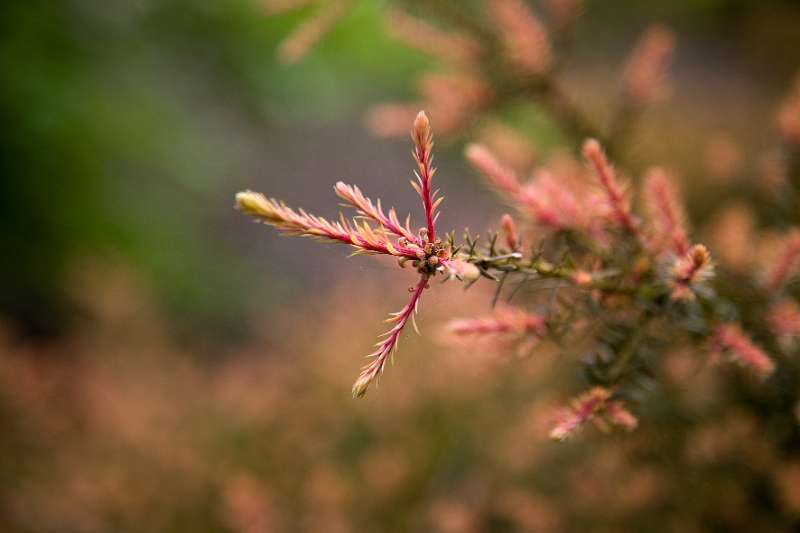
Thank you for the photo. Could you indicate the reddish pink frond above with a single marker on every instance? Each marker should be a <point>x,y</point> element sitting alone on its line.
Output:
<point>482,159</point>
<point>583,409</point>
<point>594,403</point>
<point>665,210</point>
<point>618,414</point>
<point>360,235</point>
<point>550,203</point>
<point>787,263</point>
<point>423,145</point>
<point>297,44</point>
<point>784,319</point>
<point>690,270</point>
<point>730,339</point>
<point>356,199</point>
<point>617,201</point>
<point>388,345</point>
<point>505,321</point>
<point>420,35</point>
<point>643,79</point>
<point>525,38</point>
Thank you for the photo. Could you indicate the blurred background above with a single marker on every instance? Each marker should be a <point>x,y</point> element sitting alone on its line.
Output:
<point>166,365</point>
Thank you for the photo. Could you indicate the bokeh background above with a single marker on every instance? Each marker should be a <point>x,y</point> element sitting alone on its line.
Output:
<point>166,365</point>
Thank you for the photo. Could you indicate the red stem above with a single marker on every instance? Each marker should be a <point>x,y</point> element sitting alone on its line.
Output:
<point>423,157</point>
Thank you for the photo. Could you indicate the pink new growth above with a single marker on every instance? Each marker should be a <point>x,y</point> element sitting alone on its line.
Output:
<point>386,347</point>
<point>666,214</point>
<point>423,143</point>
<point>617,202</point>
<point>731,339</point>
<point>390,237</point>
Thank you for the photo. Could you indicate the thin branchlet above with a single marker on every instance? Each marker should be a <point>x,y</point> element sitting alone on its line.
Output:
<point>729,339</point>
<point>787,263</point>
<point>595,404</point>
<point>357,234</point>
<point>373,211</point>
<point>387,346</point>
<point>668,222</point>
